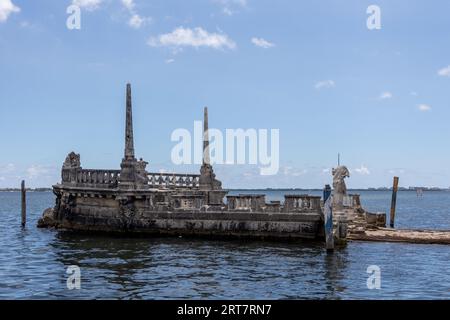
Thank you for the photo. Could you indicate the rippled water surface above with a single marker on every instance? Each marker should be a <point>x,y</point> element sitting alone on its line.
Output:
<point>33,262</point>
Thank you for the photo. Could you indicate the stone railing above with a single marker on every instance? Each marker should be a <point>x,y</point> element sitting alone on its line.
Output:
<point>90,177</point>
<point>110,178</point>
<point>173,180</point>
<point>254,202</point>
<point>301,203</point>
<point>352,201</point>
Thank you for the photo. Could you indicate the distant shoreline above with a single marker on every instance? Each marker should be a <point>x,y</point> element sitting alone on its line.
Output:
<point>349,190</point>
<point>412,189</point>
<point>28,189</point>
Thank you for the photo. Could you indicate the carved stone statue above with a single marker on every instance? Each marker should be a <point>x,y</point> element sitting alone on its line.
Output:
<point>340,189</point>
<point>72,161</point>
<point>141,173</point>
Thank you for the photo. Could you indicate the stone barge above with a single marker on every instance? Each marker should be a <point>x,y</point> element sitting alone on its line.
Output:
<point>134,201</point>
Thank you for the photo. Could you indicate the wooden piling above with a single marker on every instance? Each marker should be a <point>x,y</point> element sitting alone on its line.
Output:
<point>394,201</point>
<point>328,218</point>
<point>24,203</point>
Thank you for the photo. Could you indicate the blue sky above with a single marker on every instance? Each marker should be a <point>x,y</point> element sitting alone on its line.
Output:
<point>311,69</point>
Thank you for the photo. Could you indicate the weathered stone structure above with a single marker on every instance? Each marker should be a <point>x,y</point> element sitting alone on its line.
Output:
<point>133,200</point>
<point>339,187</point>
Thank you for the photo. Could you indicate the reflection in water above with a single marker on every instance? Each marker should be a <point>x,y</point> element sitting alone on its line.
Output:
<point>335,269</point>
<point>119,260</point>
<point>179,267</point>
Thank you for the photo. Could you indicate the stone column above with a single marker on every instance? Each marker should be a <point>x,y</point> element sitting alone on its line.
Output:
<point>133,174</point>
<point>207,177</point>
<point>206,154</point>
<point>129,140</point>
<point>129,162</point>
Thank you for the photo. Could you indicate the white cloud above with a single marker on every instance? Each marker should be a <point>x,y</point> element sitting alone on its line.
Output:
<point>129,4</point>
<point>7,168</point>
<point>444,72</point>
<point>168,61</point>
<point>197,37</point>
<point>36,171</point>
<point>230,7</point>
<point>241,3</point>
<point>293,172</point>
<point>260,42</point>
<point>396,171</point>
<point>89,5</point>
<point>227,11</point>
<point>136,21</point>
<point>424,107</point>
<point>385,95</point>
<point>325,84</point>
<point>363,170</point>
<point>413,93</point>
<point>6,8</point>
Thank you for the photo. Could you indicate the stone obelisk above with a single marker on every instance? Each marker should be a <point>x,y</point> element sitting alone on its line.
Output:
<point>206,156</point>
<point>207,179</point>
<point>129,140</point>
<point>127,178</point>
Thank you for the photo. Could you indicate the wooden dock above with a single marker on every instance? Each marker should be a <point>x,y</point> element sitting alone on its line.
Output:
<point>402,235</point>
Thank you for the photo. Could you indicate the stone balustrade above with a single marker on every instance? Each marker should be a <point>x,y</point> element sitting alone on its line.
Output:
<point>301,202</point>
<point>110,178</point>
<point>87,177</point>
<point>173,180</point>
<point>254,202</point>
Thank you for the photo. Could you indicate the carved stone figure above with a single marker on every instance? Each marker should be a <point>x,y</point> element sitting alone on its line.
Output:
<point>72,161</point>
<point>141,173</point>
<point>340,189</point>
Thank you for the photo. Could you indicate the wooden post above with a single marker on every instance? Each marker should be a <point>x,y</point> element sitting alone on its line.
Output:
<point>394,201</point>
<point>328,218</point>
<point>24,204</point>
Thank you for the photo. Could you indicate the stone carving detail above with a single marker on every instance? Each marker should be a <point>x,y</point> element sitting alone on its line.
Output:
<point>173,180</point>
<point>340,189</point>
<point>207,180</point>
<point>72,161</point>
<point>127,209</point>
<point>141,173</point>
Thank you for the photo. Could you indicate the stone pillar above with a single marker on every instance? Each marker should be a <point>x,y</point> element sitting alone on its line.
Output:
<point>128,165</point>
<point>206,154</point>
<point>132,174</point>
<point>207,179</point>
<point>71,168</point>
<point>129,140</point>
